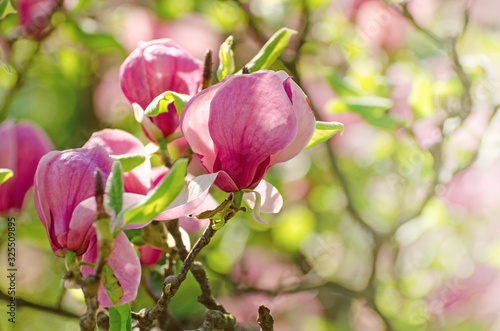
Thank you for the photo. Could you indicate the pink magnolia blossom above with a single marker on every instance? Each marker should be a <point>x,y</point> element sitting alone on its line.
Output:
<point>243,125</point>
<point>119,142</point>
<point>381,26</point>
<point>150,255</point>
<point>153,68</point>
<point>65,203</point>
<point>62,181</point>
<point>34,15</point>
<point>22,145</point>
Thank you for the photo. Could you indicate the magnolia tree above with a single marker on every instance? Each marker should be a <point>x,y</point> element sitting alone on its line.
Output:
<point>130,211</point>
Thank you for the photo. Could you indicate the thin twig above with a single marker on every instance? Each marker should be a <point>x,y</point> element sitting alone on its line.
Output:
<point>51,310</point>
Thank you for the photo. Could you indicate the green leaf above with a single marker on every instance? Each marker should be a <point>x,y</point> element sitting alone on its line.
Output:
<point>339,86</point>
<point>372,109</point>
<point>226,58</point>
<point>158,198</point>
<point>129,161</point>
<point>160,104</point>
<point>3,5</point>
<point>324,131</point>
<point>271,50</point>
<point>113,200</point>
<point>5,174</point>
<point>120,318</point>
<point>111,285</point>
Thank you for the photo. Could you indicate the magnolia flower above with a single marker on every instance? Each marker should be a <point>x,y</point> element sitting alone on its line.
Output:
<point>243,125</point>
<point>153,68</point>
<point>150,255</point>
<point>34,15</point>
<point>63,180</point>
<point>65,203</point>
<point>22,145</point>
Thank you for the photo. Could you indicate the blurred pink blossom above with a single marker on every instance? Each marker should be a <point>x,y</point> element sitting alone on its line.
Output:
<point>34,15</point>
<point>476,298</point>
<point>22,145</point>
<point>381,26</point>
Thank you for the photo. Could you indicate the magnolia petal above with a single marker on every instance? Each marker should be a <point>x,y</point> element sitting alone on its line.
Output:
<point>138,112</point>
<point>81,228</point>
<point>271,199</point>
<point>192,224</point>
<point>256,206</point>
<point>171,67</point>
<point>119,142</point>
<point>191,197</point>
<point>251,118</point>
<point>194,126</point>
<point>126,268</point>
<point>305,119</point>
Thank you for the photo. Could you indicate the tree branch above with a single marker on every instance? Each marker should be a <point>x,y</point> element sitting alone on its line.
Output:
<point>51,310</point>
<point>172,283</point>
<point>265,320</point>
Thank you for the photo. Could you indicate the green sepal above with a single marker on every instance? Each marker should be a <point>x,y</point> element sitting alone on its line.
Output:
<point>113,199</point>
<point>159,105</point>
<point>111,285</point>
<point>226,59</point>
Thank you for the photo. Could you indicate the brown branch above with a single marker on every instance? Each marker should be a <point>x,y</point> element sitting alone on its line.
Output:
<point>90,284</point>
<point>206,298</point>
<point>217,320</point>
<point>172,283</point>
<point>265,320</point>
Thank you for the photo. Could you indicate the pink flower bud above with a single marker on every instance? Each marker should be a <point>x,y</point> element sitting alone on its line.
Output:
<point>153,68</point>
<point>245,124</point>
<point>63,180</point>
<point>149,255</point>
<point>22,145</point>
<point>34,15</point>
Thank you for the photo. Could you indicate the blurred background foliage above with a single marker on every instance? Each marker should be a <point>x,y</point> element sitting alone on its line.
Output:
<point>392,225</point>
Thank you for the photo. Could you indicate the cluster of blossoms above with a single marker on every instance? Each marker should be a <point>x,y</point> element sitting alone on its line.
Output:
<point>238,128</point>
